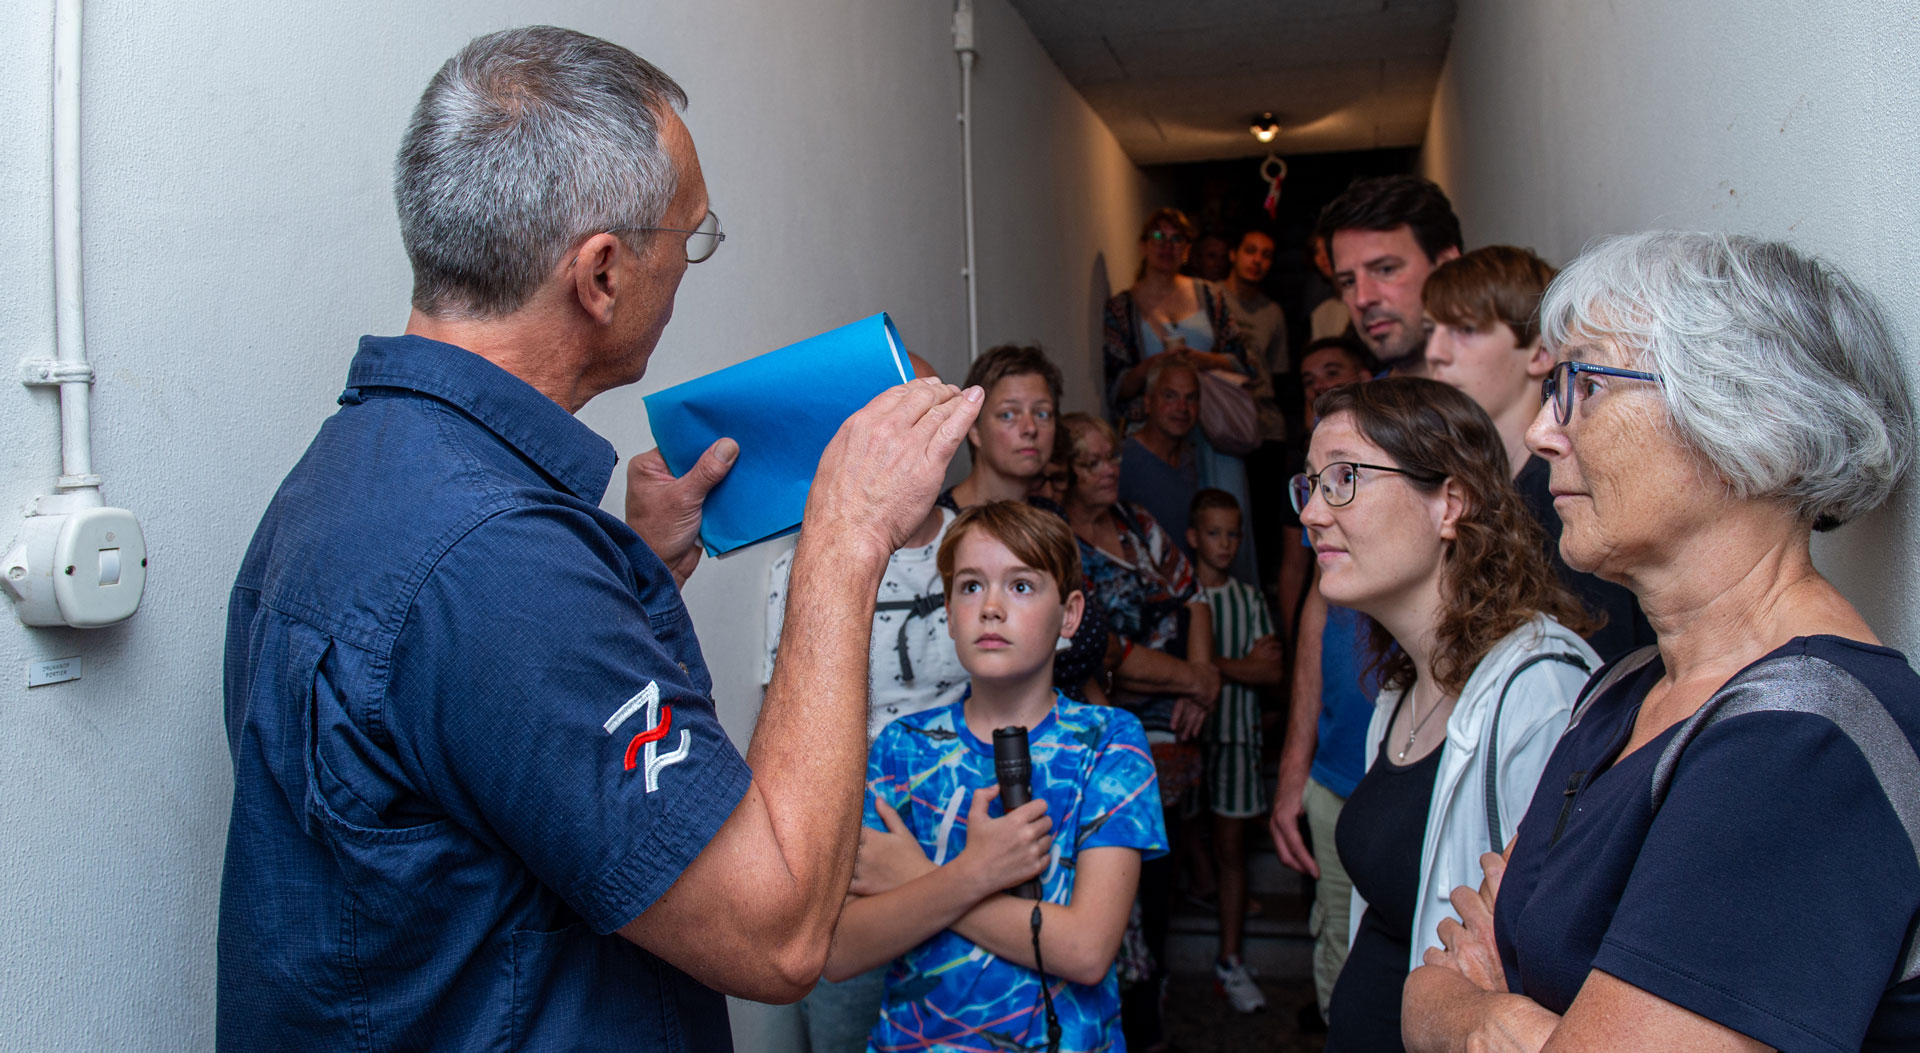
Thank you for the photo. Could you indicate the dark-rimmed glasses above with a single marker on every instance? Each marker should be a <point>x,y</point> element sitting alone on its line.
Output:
<point>1167,235</point>
<point>701,241</point>
<point>1558,387</point>
<point>1339,481</point>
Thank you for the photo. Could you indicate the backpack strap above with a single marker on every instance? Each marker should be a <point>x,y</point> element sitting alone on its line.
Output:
<point>1491,788</point>
<point>1807,684</point>
<point>918,607</point>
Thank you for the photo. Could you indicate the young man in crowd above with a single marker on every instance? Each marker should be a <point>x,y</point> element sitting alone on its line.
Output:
<point>973,966</point>
<point>1249,658</point>
<point>1263,332</point>
<point>1482,309</point>
<point>1385,236</point>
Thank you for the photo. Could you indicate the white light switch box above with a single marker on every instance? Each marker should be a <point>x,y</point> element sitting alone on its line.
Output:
<point>85,568</point>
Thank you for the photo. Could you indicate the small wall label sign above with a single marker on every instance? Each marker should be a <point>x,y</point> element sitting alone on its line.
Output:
<point>53,671</point>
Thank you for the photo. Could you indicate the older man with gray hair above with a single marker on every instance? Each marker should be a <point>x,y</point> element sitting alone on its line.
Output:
<point>481,798</point>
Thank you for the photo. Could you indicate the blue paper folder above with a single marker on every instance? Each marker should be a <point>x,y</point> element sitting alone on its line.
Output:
<point>782,408</point>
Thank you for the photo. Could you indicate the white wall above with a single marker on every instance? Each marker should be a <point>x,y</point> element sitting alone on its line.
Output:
<point>239,236</point>
<point>1560,120</point>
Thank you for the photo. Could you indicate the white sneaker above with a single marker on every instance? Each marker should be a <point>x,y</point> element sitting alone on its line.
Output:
<point>1242,993</point>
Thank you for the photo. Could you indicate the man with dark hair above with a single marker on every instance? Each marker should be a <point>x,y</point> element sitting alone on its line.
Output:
<point>481,798</point>
<point>1385,236</point>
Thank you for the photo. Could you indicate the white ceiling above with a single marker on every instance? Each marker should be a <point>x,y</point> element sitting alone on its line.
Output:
<point>1179,80</point>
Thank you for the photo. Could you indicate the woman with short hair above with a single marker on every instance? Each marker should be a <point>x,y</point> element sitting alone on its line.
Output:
<point>1415,525</point>
<point>1723,855</point>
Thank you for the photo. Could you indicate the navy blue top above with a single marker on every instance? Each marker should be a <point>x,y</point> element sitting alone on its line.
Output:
<point>1164,490</point>
<point>1772,892</point>
<point>472,735</point>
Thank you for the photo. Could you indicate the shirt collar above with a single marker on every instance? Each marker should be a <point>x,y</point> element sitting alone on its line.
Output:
<point>532,423</point>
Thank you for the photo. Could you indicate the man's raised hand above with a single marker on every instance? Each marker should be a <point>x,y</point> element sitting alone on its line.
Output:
<point>880,474</point>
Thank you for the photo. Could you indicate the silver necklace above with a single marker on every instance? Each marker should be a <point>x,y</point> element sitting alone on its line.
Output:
<point>1413,700</point>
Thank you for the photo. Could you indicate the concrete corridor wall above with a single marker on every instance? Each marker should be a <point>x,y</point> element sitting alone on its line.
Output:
<point>1557,121</point>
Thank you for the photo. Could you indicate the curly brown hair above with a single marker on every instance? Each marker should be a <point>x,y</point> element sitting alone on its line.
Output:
<point>1496,573</point>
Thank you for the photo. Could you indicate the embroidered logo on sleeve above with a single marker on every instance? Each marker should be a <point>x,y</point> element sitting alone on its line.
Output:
<point>643,749</point>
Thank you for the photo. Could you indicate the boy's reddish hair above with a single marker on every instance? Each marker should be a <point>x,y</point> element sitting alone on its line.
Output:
<point>1038,539</point>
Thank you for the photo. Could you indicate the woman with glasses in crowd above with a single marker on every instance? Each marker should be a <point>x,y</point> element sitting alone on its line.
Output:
<point>1723,854</point>
<point>1154,606</point>
<point>1415,524</point>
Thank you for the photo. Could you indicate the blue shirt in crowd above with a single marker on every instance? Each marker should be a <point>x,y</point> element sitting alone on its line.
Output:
<point>472,735</point>
<point>1774,888</point>
<point>1347,691</point>
<point>1092,766</point>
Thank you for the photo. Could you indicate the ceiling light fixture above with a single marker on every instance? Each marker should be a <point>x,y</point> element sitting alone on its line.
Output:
<point>1264,127</point>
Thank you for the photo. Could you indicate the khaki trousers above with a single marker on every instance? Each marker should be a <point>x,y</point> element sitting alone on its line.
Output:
<point>1333,893</point>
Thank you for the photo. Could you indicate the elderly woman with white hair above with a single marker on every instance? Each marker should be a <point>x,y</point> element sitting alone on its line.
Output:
<point>1724,851</point>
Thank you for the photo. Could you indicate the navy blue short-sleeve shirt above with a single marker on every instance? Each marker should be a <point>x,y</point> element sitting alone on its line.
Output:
<point>1774,888</point>
<point>472,735</point>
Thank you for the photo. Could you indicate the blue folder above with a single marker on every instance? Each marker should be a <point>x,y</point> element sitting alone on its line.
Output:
<point>782,408</point>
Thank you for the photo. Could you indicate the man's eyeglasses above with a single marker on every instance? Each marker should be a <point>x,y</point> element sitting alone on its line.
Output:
<point>1558,388</point>
<point>1167,235</point>
<point>701,241</point>
<point>1338,481</point>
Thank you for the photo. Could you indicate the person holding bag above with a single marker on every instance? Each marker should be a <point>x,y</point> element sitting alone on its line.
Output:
<point>1167,312</point>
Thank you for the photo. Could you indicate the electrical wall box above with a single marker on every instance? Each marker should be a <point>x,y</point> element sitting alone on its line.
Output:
<point>85,568</point>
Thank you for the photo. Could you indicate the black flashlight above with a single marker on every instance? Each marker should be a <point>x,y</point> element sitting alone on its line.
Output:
<point>1013,768</point>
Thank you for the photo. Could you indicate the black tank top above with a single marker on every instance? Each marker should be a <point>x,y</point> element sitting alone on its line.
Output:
<point>1381,829</point>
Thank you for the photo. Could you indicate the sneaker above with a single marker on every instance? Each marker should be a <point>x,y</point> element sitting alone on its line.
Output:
<point>1241,992</point>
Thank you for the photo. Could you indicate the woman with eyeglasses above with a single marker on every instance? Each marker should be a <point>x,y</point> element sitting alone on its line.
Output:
<point>1166,312</point>
<point>1415,524</point>
<point>1154,607</point>
<point>1725,851</point>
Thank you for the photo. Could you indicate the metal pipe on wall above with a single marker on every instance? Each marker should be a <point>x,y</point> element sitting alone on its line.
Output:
<point>963,44</point>
<point>71,369</point>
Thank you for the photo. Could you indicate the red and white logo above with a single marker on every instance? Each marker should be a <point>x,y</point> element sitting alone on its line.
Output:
<point>643,749</point>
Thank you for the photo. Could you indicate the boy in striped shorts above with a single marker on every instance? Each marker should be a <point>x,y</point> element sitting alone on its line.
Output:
<point>1248,658</point>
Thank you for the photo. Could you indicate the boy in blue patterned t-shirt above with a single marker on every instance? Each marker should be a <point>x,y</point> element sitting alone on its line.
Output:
<point>937,851</point>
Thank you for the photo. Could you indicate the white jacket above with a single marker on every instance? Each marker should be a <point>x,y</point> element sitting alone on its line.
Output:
<point>1536,712</point>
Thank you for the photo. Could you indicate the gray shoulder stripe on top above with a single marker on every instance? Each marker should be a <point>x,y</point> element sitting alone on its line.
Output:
<point>1805,684</point>
<point>1632,663</point>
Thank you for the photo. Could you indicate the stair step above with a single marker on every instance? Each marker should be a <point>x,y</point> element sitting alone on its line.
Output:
<point>1266,875</point>
<point>1276,944</point>
<point>1280,958</point>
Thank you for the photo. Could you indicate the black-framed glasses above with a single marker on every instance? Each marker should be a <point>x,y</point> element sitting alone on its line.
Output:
<point>701,240</point>
<point>1338,482</point>
<point>1094,464</point>
<point>1558,388</point>
<point>1167,235</point>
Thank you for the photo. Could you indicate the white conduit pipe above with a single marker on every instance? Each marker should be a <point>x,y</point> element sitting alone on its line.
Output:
<point>963,43</point>
<point>70,369</point>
